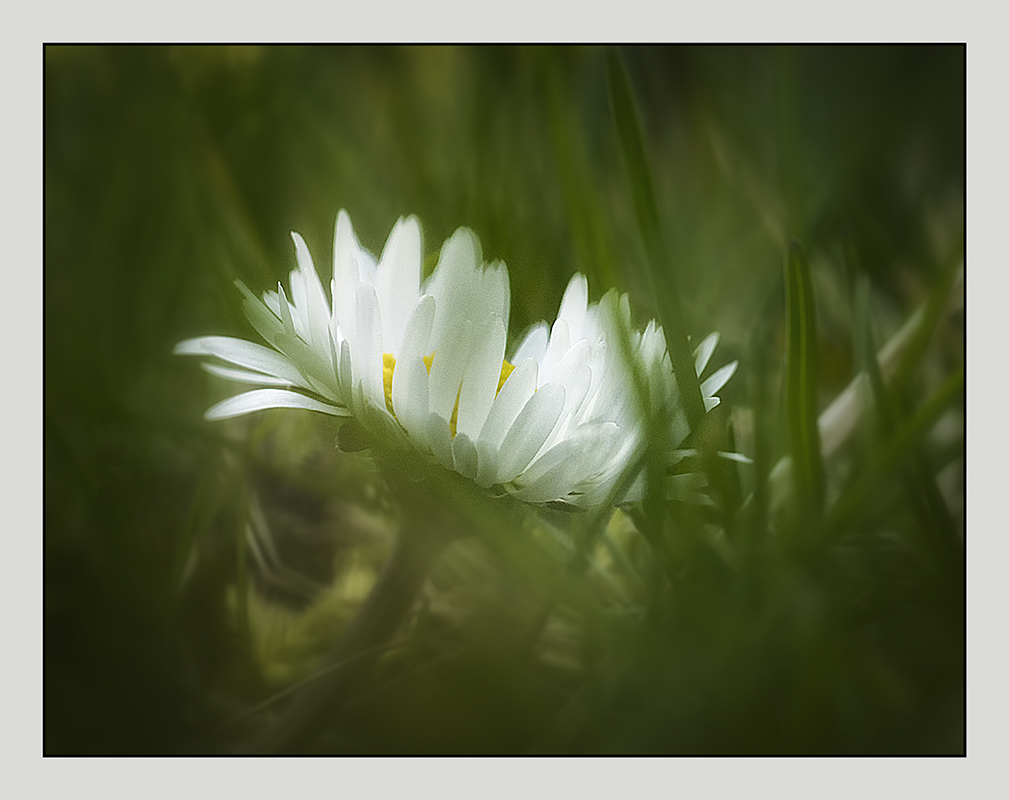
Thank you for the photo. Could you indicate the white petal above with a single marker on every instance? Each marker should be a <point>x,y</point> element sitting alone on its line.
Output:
<point>573,373</point>
<point>451,357</point>
<point>454,283</point>
<point>563,467</point>
<point>718,379</point>
<point>345,276</point>
<point>653,346</point>
<point>479,386</point>
<point>530,429</point>
<point>575,388</point>
<point>270,299</point>
<point>367,352</point>
<point>464,455</point>
<point>597,490</point>
<point>346,370</point>
<point>397,281</point>
<point>335,331</point>
<point>509,402</point>
<point>417,332</point>
<point>496,292</point>
<point>285,312</point>
<point>313,363</point>
<point>624,311</point>
<point>243,354</point>
<point>263,314</point>
<point>703,352</point>
<point>367,266</point>
<point>315,307</point>
<point>410,379</point>
<point>243,376</point>
<point>260,399</point>
<point>506,407</point>
<point>440,439</point>
<point>573,306</point>
<point>414,348</point>
<point>299,308</point>
<point>533,345</point>
<point>572,362</point>
<point>560,343</point>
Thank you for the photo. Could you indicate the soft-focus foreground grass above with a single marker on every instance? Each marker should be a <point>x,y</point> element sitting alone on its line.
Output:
<point>808,201</point>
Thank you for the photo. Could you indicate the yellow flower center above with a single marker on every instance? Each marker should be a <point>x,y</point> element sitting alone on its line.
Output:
<point>389,365</point>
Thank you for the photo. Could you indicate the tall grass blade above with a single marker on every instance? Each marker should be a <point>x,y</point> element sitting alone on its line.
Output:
<point>801,370</point>
<point>660,271</point>
<point>933,313</point>
<point>919,481</point>
<point>590,233</point>
<point>242,584</point>
<point>897,447</point>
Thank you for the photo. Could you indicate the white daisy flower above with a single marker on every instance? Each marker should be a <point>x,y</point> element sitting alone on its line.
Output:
<point>423,366</point>
<point>603,427</point>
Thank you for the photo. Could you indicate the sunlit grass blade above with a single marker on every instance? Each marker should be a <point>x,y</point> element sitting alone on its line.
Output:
<point>660,269</point>
<point>891,453</point>
<point>801,369</point>
<point>931,315</point>
<point>919,481</point>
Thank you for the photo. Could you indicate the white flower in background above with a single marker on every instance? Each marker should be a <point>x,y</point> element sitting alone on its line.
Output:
<point>424,366</point>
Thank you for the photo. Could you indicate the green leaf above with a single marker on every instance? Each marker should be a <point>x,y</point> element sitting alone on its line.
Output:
<point>801,370</point>
<point>660,269</point>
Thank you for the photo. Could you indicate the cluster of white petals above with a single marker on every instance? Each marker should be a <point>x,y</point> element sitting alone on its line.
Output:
<point>424,365</point>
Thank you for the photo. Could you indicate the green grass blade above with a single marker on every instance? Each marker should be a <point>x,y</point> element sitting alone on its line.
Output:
<point>933,314</point>
<point>801,370</point>
<point>897,447</point>
<point>586,216</point>
<point>919,480</point>
<point>242,583</point>
<point>660,269</point>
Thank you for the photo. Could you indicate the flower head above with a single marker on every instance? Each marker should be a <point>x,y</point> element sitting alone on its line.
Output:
<point>423,365</point>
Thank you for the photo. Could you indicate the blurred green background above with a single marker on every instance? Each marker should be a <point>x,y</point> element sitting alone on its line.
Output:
<point>193,570</point>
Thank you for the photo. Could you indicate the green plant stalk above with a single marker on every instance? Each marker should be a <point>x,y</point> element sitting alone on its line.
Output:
<point>242,585</point>
<point>376,621</point>
<point>661,273</point>
<point>801,381</point>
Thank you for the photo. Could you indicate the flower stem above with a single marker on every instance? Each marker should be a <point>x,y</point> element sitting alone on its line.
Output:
<point>390,599</point>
